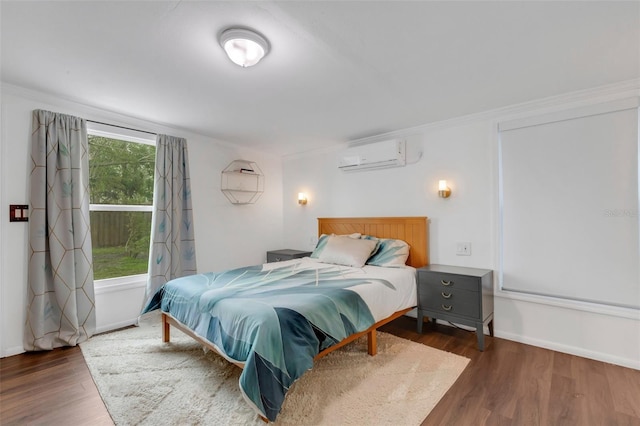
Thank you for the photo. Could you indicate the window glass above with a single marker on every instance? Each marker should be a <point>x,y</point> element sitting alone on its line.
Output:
<point>121,186</point>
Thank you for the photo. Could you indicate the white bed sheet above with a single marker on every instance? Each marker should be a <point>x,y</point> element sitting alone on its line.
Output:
<point>381,300</point>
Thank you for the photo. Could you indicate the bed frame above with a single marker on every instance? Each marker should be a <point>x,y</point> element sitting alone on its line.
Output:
<point>413,230</point>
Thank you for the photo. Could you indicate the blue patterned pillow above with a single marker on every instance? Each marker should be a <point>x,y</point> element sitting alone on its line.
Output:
<point>389,252</point>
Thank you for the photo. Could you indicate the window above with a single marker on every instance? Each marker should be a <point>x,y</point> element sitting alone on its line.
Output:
<point>569,204</point>
<point>121,169</point>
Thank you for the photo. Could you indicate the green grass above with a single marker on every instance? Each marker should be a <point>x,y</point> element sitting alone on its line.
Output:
<point>110,262</point>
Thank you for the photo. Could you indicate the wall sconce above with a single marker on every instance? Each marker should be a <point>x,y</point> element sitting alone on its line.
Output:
<point>302,198</point>
<point>443,190</point>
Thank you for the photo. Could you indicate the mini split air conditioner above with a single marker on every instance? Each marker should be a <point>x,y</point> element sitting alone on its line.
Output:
<point>377,155</point>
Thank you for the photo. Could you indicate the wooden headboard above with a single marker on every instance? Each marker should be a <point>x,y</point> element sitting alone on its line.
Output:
<point>413,230</point>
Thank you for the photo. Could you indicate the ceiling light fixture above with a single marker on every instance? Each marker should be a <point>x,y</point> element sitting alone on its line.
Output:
<point>243,46</point>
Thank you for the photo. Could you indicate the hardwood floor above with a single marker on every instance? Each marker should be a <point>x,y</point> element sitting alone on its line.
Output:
<point>515,384</point>
<point>49,388</point>
<point>507,384</point>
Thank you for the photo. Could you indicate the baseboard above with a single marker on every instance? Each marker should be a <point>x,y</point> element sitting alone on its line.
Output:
<point>16,350</point>
<point>572,350</point>
<point>114,326</point>
<point>414,314</point>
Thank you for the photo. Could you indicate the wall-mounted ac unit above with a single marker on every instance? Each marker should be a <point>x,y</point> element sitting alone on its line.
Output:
<point>377,155</point>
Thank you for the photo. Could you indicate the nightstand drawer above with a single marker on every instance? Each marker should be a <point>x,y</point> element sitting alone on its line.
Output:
<point>449,300</point>
<point>450,281</point>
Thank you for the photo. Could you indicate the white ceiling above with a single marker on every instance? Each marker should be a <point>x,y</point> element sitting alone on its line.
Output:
<point>337,70</point>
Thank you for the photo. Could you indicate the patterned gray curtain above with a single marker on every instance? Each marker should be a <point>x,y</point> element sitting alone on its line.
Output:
<point>61,303</point>
<point>173,250</point>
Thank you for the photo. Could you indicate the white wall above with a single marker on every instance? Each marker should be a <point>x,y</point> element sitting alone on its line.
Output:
<point>461,154</point>
<point>465,153</point>
<point>226,235</point>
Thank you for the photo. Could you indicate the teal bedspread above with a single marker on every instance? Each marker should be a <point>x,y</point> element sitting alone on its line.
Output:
<point>274,321</point>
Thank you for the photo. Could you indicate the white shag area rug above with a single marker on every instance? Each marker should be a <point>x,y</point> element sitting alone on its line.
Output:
<point>146,382</point>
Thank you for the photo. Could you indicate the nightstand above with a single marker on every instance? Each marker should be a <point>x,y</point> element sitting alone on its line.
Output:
<point>285,254</point>
<point>456,294</point>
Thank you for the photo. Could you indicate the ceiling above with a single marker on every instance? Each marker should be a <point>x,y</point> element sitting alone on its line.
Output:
<point>337,70</point>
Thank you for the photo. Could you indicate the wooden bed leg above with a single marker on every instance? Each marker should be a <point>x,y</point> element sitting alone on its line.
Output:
<point>166,335</point>
<point>372,343</point>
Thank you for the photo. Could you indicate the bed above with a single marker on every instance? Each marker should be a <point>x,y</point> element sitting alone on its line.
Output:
<point>274,320</point>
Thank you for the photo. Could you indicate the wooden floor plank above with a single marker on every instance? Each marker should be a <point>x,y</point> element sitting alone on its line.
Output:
<point>507,384</point>
<point>626,395</point>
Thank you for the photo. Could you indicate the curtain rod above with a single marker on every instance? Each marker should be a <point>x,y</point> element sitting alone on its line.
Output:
<point>122,127</point>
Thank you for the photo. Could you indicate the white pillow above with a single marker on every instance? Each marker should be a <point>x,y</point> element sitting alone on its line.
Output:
<point>347,251</point>
<point>322,242</point>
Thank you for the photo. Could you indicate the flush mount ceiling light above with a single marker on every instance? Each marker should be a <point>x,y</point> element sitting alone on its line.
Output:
<point>243,46</point>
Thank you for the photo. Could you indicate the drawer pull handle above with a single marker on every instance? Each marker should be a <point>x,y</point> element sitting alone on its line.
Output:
<point>447,307</point>
<point>446,295</point>
<point>443,282</point>
<point>278,259</point>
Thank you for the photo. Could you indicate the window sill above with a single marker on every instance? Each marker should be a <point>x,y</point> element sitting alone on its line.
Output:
<point>596,308</point>
<point>120,283</point>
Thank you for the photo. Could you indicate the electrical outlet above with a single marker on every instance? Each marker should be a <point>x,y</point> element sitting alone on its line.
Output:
<point>463,249</point>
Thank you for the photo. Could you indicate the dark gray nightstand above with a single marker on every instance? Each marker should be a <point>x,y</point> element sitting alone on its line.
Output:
<point>456,294</point>
<point>285,254</point>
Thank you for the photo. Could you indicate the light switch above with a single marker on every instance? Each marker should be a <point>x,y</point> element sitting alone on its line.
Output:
<point>18,213</point>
